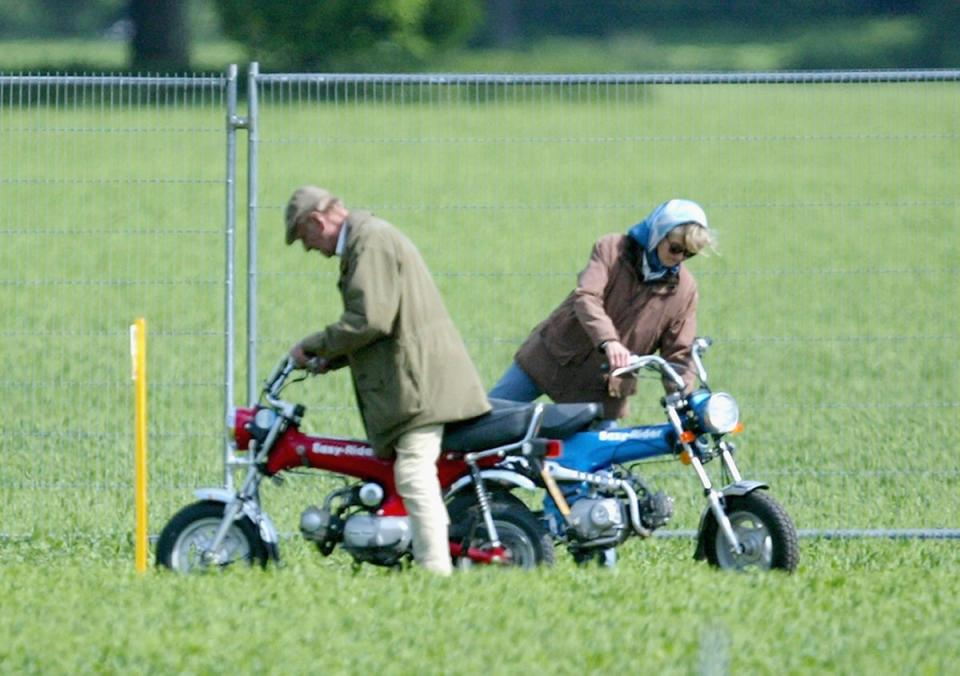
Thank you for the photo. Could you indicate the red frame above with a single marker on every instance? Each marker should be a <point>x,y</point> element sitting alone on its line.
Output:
<point>351,457</point>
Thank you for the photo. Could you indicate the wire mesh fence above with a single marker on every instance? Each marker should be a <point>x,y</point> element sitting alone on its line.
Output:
<point>111,208</point>
<point>833,298</point>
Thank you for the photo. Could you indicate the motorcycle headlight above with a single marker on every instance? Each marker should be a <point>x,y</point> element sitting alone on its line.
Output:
<point>264,418</point>
<point>719,412</point>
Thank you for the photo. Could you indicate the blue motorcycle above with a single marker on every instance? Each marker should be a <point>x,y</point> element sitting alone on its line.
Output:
<point>596,500</point>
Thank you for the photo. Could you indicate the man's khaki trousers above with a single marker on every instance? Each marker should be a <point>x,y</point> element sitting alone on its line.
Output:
<point>415,472</point>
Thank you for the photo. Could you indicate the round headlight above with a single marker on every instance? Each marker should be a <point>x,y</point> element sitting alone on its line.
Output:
<point>721,413</point>
<point>264,418</point>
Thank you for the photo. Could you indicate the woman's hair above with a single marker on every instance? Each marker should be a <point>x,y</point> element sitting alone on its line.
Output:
<point>696,238</point>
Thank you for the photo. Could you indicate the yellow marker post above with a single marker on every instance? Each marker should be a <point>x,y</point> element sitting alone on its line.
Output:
<point>138,353</point>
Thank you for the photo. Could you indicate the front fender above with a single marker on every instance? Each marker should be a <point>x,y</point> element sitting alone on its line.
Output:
<point>251,510</point>
<point>502,477</point>
<point>742,488</point>
<point>737,488</point>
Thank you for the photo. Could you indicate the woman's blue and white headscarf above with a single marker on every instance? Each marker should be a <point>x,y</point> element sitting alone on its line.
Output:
<point>649,232</point>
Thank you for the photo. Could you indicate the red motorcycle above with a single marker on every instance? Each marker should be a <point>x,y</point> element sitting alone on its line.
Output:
<point>488,524</point>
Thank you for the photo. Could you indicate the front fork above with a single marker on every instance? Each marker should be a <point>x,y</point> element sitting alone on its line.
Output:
<point>232,511</point>
<point>714,497</point>
<point>714,500</point>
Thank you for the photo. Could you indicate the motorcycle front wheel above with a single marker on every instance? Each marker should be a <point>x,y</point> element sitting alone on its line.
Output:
<point>185,541</point>
<point>764,529</point>
<point>526,542</point>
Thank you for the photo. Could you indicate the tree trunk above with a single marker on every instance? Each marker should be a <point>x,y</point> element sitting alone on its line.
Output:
<point>160,40</point>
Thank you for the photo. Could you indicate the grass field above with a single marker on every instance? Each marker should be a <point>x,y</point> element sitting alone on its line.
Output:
<point>834,304</point>
<point>854,607</point>
<point>833,300</point>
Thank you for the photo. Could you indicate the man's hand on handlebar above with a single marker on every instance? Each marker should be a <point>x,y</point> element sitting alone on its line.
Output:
<point>307,362</point>
<point>317,365</point>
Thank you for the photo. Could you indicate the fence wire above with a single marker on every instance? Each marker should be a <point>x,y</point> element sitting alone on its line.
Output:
<point>112,197</point>
<point>833,298</point>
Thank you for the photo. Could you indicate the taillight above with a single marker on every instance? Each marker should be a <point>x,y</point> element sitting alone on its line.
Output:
<point>554,448</point>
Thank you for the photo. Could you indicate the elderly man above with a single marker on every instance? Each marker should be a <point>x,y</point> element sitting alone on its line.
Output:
<point>411,371</point>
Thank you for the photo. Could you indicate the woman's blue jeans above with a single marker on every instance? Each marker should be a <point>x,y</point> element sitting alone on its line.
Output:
<point>515,385</point>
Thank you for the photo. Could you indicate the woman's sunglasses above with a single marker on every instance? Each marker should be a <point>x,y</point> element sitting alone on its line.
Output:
<point>677,249</point>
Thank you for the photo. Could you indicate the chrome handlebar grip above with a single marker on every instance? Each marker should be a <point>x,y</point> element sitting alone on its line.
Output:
<point>651,361</point>
<point>654,362</point>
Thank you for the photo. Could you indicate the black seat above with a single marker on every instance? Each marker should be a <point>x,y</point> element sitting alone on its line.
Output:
<point>562,420</point>
<point>506,423</point>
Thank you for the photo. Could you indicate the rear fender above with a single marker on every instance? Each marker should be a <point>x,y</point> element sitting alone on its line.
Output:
<point>268,532</point>
<point>735,489</point>
<point>498,477</point>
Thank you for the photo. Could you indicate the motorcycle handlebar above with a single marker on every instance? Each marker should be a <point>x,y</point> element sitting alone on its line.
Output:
<point>279,375</point>
<point>650,361</point>
<point>700,346</point>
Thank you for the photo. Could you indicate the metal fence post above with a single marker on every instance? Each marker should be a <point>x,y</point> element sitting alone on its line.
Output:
<point>233,123</point>
<point>252,232</point>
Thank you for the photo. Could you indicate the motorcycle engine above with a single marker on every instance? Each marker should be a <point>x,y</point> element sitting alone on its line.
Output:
<point>656,510</point>
<point>319,525</point>
<point>380,540</point>
<point>594,518</point>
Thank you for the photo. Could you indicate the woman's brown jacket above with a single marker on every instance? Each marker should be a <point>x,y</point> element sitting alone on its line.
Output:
<point>611,302</point>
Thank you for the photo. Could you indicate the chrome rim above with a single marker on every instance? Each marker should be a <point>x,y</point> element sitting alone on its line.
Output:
<point>757,543</point>
<point>190,549</point>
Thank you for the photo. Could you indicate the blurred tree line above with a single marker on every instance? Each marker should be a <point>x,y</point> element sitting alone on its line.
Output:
<point>395,34</point>
<point>513,20</point>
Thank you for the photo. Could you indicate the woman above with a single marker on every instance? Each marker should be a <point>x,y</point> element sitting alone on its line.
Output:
<point>634,296</point>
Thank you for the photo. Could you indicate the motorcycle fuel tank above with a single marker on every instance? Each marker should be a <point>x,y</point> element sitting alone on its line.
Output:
<point>596,449</point>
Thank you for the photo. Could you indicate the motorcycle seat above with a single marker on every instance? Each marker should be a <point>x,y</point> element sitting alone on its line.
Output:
<point>507,422</point>
<point>562,420</point>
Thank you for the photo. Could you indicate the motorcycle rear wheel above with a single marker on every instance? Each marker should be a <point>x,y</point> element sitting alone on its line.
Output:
<point>762,526</point>
<point>525,540</point>
<point>187,536</point>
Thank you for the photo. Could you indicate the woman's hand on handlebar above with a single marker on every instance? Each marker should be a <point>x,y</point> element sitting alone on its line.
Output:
<point>617,355</point>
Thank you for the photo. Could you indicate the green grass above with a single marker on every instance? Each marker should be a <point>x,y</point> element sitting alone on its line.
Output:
<point>853,607</point>
<point>834,303</point>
